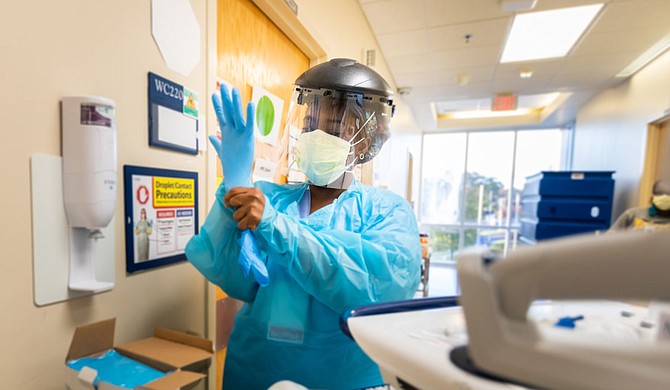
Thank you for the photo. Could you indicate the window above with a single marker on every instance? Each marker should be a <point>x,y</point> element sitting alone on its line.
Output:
<point>472,182</point>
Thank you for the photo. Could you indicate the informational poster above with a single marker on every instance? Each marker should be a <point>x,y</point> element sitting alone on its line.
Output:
<point>161,215</point>
<point>173,115</point>
<point>268,115</point>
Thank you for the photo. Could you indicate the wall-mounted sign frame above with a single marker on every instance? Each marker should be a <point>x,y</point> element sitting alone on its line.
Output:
<point>161,215</point>
<point>173,115</point>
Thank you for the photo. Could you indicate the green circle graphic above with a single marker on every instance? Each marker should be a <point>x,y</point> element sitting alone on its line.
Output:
<point>265,115</point>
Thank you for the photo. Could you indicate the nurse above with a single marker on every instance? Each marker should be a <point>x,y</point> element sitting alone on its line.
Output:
<point>329,244</point>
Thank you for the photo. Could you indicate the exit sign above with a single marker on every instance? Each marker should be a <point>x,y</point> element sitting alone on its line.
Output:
<point>504,103</point>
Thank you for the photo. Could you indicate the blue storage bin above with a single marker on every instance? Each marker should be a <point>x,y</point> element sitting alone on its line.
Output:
<point>562,203</point>
<point>568,209</point>
<point>572,184</point>
<point>533,230</point>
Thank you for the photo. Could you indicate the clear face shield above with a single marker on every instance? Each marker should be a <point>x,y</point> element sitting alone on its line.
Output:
<point>337,131</point>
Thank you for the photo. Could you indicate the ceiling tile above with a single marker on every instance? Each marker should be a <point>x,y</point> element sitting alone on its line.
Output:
<point>577,81</point>
<point>395,15</point>
<point>422,42</point>
<point>458,59</point>
<point>411,63</point>
<point>446,12</point>
<point>404,43</point>
<point>638,39</point>
<point>544,68</point>
<point>421,79</point>
<point>474,74</point>
<point>633,14</point>
<point>604,64</point>
<point>453,37</point>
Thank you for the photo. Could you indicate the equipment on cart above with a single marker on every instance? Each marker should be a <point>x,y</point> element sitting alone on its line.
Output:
<point>557,315</point>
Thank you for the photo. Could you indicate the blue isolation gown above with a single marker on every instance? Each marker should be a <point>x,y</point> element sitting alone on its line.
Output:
<point>361,249</point>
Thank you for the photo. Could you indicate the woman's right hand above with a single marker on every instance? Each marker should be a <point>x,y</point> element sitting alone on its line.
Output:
<point>249,203</point>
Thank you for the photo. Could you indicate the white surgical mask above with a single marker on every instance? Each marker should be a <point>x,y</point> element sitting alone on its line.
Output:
<point>322,157</point>
<point>661,202</point>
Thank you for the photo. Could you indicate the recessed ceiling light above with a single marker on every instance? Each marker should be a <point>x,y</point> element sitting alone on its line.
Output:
<point>525,73</point>
<point>462,79</point>
<point>517,5</point>
<point>547,34</point>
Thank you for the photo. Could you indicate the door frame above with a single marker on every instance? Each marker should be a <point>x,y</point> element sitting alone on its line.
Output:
<point>282,15</point>
<point>657,137</point>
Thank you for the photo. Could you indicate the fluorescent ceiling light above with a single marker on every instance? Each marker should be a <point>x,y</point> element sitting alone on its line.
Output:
<point>486,113</point>
<point>547,34</point>
<point>646,57</point>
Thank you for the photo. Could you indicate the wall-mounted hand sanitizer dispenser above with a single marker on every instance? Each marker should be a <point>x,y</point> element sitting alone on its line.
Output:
<point>89,181</point>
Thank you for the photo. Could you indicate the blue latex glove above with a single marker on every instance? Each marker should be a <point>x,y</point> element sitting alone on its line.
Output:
<point>236,152</point>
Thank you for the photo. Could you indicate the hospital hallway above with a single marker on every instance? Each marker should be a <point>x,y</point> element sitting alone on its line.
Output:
<point>487,130</point>
<point>442,280</point>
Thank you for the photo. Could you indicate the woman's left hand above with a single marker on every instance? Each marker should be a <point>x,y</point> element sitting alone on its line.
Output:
<point>249,203</point>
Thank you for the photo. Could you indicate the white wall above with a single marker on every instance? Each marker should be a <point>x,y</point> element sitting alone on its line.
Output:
<point>610,131</point>
<point>70,47</point>
<point>391,165</point>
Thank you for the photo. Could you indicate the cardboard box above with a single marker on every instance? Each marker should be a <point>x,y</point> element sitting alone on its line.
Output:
<point>187,357</point>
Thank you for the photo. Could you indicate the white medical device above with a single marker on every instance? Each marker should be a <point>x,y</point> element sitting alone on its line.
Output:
<point>89,181</point>
<point>507,333</point>
<point>503,341</point>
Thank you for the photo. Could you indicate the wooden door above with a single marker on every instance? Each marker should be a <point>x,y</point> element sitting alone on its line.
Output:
<point>253,51</point>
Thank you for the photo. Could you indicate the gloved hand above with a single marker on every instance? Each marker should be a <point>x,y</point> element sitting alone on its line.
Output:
<point>236,152</point>
<point>250,259</point>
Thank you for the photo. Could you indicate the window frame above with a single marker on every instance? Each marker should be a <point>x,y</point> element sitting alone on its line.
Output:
<point>462,225</point>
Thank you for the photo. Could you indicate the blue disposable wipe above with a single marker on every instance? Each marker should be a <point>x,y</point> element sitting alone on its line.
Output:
<point>118,370</point>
